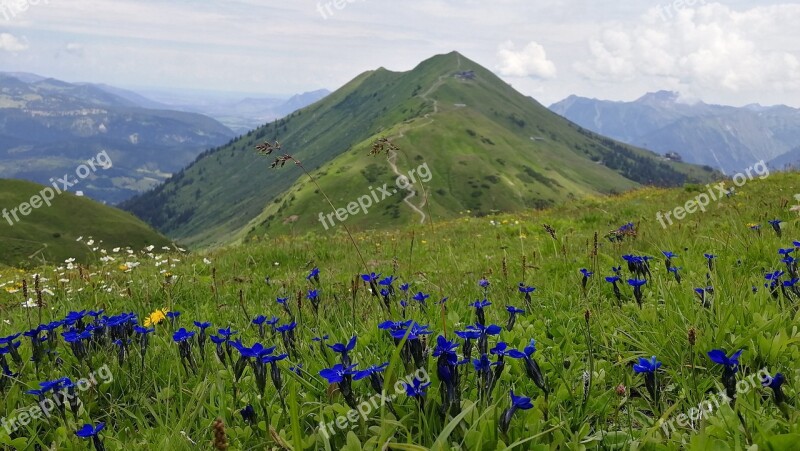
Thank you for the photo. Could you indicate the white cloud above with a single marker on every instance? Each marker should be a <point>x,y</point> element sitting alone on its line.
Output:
<point>73,48</point>
<point>530,61</point>
<point>10,43</point>
<point>712,47</point>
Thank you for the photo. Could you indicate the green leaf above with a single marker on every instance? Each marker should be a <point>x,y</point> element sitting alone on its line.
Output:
<point>441,440</point>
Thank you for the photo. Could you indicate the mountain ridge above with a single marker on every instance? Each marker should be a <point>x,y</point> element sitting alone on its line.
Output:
<point>49,127</point>
<point>480,130</point>
<point>725,137</point>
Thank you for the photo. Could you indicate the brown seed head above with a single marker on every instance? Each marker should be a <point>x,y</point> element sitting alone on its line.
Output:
<point>220,437</point>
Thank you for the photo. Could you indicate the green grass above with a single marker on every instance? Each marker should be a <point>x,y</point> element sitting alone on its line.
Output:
<point>163,407</point>
<point>50,233</point>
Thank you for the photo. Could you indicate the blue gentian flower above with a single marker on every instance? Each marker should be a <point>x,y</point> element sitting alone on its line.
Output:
<point>483,364</point>
<point>371,277</point>
<point>479,306</point>
<point>344,348</point>
<point>182,335</point>
<point>416,389</point>
<point>227,333</point>
<point>668,258</point>
<point>776,226</point>
<point>517,403</point>
<point>421,297</point>
<point>313,296</point>
<point>647,366</point>
<point>586,274</point>
<point>512,316</point>
<point>413,328</point>
<point>445,347</point>
<point>313,275</point>
<point>637,289</point>
<point>501,349</point>
<point>88,430</point>
<point>719,356</point>
<point>173,316</point>
<point>92,432</point>
<point>275,373</point>
<point>710,258</point>
<point>259,321</point>
<point>468,336</point>
<point>286,327</point>
<point>373,373</point>
<point>183,338</point>
<point>218,341</point>
<point>249,415</point>
<point>731,367</point>
<point>272,358</point>
<point>521,402</point>
<point>775,383</point>
<point>336,374</point>
<point>287,334</point>
<point>369,371</point>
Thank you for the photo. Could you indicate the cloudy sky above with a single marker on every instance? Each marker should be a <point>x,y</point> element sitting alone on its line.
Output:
<point>732,52</point>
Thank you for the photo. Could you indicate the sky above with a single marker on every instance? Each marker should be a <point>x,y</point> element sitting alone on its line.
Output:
<point>729,52</point>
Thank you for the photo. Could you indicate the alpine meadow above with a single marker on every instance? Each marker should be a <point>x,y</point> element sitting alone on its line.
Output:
<point>284,226</point>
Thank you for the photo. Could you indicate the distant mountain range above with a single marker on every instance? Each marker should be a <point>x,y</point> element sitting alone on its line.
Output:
<point>240,114</point>
<point>788,161</point>
<point>49,127</point>
<point>484,147</point>
<point>723,137</point>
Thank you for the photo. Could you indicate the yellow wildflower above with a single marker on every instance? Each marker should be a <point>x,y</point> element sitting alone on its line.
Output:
<point>156,317</point>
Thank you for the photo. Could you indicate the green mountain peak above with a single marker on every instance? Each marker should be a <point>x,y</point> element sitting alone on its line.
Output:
<point>488,148</point>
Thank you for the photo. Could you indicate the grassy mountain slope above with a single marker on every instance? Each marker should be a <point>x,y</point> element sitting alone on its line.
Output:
<point>488,146</point>
<point>579,328</point>
<point>50,233</point>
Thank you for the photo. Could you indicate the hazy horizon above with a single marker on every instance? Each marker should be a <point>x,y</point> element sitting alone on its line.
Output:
<point>731,53</point>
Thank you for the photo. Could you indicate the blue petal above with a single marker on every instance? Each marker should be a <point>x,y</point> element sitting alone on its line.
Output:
<point>718,356</point>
